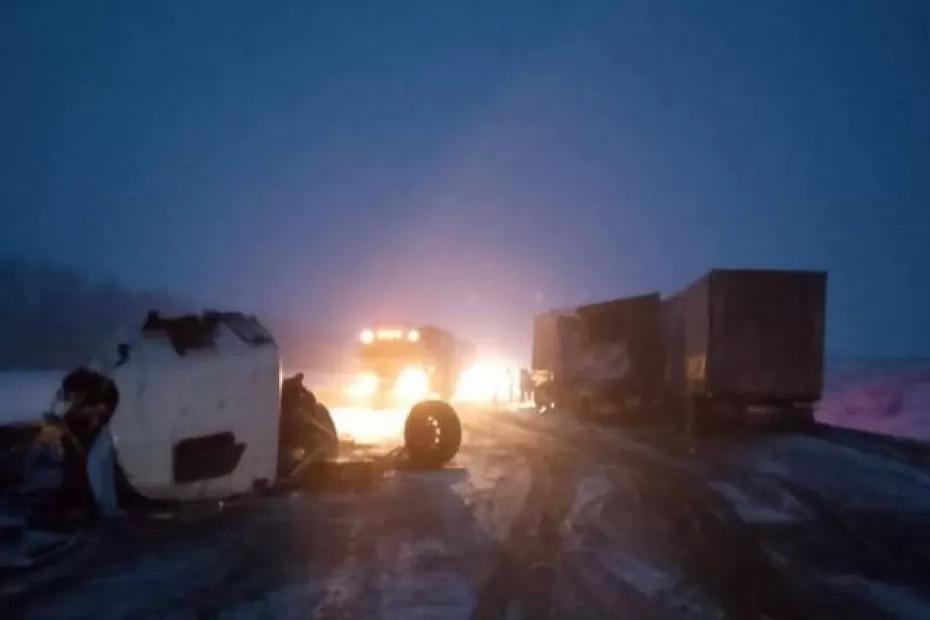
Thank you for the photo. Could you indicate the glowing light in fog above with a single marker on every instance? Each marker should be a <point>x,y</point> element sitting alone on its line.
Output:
<point>364,386</point>
<point>389,334</point>
<point>487,381</point>
<point>412,385</point>
<point>380,427</point>
<point>367,336</point>
<point>413,335</point>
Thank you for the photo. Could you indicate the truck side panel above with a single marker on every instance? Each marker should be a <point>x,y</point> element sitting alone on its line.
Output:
<point>556,345</point>
<point>546,343</point>
<point>626,335</point>
<point>606,356</point>
<point>686,333</point>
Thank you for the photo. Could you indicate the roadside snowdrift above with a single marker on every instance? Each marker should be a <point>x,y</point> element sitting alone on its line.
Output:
<point>882,396</point>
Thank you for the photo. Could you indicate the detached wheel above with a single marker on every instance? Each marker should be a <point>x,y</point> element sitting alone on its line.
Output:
<point>432,434</point>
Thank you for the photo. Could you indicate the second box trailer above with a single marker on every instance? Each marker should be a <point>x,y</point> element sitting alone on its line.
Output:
<point>739,342</point>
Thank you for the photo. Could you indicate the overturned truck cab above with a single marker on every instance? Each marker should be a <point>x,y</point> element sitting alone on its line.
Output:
<point>198,414</point>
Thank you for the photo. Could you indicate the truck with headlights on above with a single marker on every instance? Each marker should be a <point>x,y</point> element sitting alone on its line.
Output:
<point>402,364</point>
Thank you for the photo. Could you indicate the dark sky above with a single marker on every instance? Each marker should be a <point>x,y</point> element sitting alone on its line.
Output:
<point>471,164</point>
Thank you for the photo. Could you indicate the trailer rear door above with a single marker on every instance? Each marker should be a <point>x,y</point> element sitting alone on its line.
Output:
<point>767,333</point>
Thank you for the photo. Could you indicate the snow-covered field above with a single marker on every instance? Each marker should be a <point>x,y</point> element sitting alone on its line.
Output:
<point>878,395</point>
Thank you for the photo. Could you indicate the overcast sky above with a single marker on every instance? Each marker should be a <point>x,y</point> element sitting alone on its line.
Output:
<point>471,164</point>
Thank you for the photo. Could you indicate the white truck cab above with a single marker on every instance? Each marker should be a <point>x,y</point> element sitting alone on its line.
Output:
<point>199,407</point>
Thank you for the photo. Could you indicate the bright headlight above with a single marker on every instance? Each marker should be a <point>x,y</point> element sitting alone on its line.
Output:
<point>412,384</point>
<point>485,381</point>
<point>367,336</point>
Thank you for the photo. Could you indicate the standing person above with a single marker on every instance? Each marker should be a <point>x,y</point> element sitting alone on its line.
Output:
<point>526,385</point>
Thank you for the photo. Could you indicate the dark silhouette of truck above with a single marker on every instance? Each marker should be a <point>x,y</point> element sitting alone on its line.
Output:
<point>389,352</point>
<point>600,359</point>
<point>733,346</point>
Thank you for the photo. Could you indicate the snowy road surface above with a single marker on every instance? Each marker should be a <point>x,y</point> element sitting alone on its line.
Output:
<point>537,517</point>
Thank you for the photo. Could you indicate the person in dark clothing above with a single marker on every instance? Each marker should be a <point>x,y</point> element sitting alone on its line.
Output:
<point>526,385</point>
<point>93,399</point>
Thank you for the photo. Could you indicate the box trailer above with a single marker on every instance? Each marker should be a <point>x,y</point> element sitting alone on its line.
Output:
<point>600,359</point>
<point>740,342</point>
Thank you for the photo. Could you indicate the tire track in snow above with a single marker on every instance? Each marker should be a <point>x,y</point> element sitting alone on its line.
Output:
<point>521,579</point>
<point>688,522</point>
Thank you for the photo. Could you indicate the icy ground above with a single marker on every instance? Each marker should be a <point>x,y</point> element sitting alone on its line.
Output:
<point>537,517</point>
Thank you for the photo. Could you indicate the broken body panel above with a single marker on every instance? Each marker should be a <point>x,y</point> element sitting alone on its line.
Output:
<point>600,356</point>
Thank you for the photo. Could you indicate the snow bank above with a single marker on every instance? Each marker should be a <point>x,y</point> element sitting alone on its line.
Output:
<point>878,395</point>
<point>24,396</point>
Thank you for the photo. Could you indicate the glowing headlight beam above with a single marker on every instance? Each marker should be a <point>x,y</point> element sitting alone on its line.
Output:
<point>412,385</point>
<point>486,381</point>
<point>364,386</point>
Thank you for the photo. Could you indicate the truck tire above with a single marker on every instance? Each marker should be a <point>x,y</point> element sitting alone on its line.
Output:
<point>432,434</point>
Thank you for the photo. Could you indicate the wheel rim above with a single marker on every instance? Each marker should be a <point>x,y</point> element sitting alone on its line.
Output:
<point>435,430</point>
<point>429,433</point>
